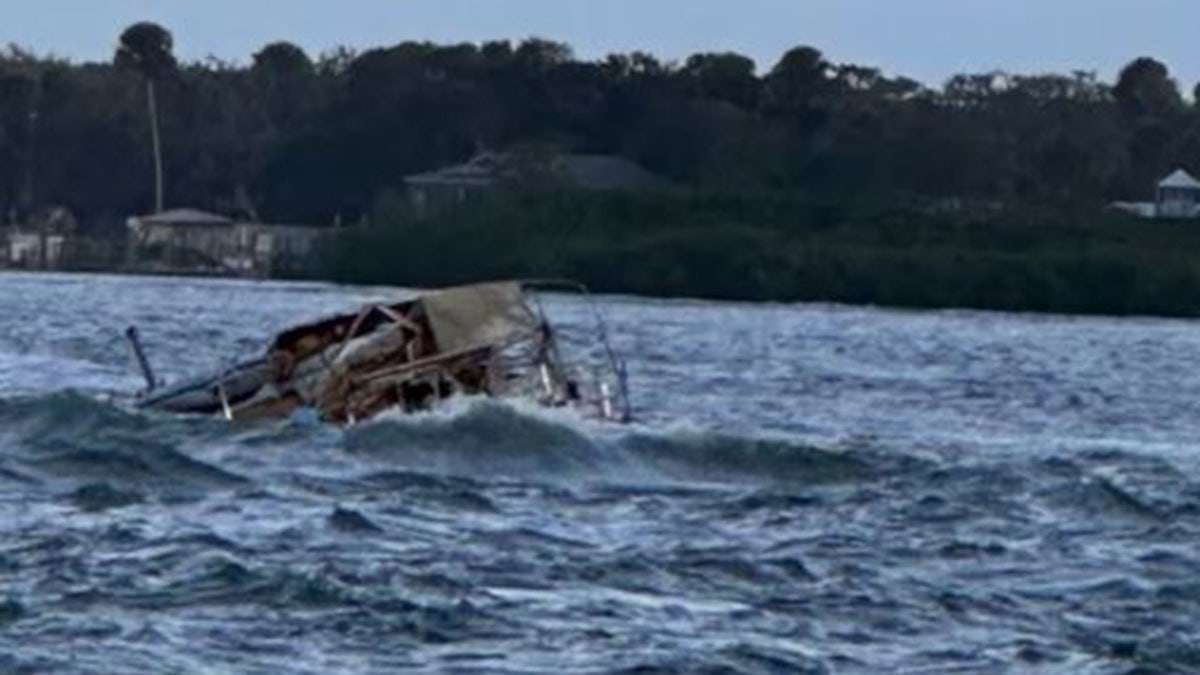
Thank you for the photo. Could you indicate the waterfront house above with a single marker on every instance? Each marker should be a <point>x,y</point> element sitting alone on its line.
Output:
<point>31,249</point>
<point>40,242</point>
<point>1177,197</point>
<point>453,185</point>
<point>190,240</point>
<point>184,230</point>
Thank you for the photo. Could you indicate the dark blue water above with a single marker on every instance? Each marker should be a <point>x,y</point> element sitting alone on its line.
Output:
<point>809,489</point>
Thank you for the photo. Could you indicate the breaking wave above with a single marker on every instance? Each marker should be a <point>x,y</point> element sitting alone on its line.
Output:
<point>99,455</point>
<point>493,439</point>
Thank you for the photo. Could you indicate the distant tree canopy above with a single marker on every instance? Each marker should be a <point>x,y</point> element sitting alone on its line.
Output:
<point>1145,87</point>
<point>293,138</point>
<point>146,47</point>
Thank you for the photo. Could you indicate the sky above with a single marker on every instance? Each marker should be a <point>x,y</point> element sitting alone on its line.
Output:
<point>928,40</point>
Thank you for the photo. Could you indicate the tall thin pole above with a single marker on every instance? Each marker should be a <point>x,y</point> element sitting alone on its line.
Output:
<point>158,167</point>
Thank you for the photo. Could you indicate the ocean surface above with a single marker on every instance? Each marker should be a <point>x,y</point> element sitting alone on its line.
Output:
<point>807,489</point>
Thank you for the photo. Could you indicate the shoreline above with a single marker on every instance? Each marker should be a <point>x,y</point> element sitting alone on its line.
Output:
<point>618,294</point>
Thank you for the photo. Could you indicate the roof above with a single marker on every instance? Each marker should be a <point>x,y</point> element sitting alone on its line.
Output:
<point>1180,179</point>
<point>590,172</point>
<point>184,217</point>
<point>481,171</point>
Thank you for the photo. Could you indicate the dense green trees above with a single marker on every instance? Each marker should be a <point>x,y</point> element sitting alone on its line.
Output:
<point>288,137</point>
<point>785,176</point>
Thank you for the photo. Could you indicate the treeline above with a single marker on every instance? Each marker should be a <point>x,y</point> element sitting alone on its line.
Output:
<point>799,180</point>
<point>289,137</point>
<point>789,247</point>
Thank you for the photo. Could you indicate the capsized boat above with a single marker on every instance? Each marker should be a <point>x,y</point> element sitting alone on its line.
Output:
<point>491,339</point>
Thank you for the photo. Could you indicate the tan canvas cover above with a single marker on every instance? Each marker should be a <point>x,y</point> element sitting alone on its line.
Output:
<point>472,316</point>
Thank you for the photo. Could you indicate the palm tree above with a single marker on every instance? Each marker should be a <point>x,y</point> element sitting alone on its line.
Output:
<point>146,48</point>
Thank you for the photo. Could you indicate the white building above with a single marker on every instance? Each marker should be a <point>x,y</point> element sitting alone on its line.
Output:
<point>33,250</point>
<point>1177,197</point>
<point>189,239</point>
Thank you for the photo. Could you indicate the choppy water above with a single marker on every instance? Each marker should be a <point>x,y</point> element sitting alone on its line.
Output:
<point>809,489</point>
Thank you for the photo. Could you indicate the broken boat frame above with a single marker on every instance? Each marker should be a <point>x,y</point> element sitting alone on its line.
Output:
<point>483,339</point>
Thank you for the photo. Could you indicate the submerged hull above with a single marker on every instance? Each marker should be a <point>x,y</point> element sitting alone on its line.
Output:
<point>475,340</point>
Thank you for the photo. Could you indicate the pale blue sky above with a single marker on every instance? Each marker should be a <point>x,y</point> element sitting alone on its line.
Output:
<point>926,39</point>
